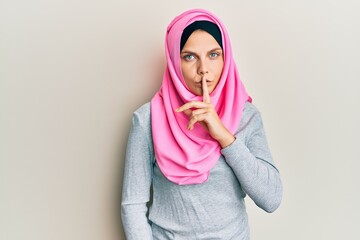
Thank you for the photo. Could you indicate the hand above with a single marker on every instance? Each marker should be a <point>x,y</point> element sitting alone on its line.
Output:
<point>207,116</point>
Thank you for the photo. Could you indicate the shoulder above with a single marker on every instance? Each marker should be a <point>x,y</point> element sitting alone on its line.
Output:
<point>251,120</point>
<point>250,113</point>
<point>141,116</point>
<point>143,110</point>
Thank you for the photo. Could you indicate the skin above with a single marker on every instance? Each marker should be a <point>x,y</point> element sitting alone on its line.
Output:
<point>201,64</point>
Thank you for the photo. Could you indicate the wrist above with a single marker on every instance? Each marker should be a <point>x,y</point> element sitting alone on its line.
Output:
<point>226,140</point>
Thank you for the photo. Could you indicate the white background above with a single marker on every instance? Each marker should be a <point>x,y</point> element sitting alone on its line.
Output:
<point>72,73</point>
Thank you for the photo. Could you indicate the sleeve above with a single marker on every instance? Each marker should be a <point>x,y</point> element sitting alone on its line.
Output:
<point>137,182</point>
<point>250,158</point>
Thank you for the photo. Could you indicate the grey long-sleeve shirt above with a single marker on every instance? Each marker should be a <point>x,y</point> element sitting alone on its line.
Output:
<point>211,210</point>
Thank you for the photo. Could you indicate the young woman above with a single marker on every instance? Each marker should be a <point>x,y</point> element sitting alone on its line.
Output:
<point>199,144</point>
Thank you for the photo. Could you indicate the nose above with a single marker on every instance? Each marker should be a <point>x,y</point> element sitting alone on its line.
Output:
<point>202,68</point>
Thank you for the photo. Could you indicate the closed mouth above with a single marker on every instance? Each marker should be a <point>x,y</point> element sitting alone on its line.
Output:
<point>199,84</point>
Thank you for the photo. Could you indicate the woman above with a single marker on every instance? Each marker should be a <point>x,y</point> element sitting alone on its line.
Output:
<point>200,144</point>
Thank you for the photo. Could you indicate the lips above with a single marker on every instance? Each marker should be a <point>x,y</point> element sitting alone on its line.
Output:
<point>199,84</point>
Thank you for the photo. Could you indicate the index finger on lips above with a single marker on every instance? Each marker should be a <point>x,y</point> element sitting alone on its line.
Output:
<point>206,95</point>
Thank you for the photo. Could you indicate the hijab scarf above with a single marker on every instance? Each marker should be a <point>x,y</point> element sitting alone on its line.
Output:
<point>187,156</point>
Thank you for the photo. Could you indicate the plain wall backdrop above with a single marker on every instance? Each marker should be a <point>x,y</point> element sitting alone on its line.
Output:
<point>72,73</point>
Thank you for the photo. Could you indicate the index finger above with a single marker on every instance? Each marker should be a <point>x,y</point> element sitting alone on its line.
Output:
<point>206,95</point>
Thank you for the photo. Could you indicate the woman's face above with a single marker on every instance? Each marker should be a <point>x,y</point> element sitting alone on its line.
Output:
<point>201,57</point>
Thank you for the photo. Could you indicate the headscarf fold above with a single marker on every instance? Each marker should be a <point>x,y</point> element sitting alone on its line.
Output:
<point>184,156</point>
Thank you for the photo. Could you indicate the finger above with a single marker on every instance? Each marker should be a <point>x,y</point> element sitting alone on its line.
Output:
<point>198,115</point>
<point>206,96</point>
<point>188,112</point>
<point>199,111</point>
<point>193,104</point>
<point>195,119</point>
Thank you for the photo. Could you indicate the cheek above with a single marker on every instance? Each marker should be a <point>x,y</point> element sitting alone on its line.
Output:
<point>184,70</point>
<point>217,68</point>
<point>187,72</point>
<point>186,75</point>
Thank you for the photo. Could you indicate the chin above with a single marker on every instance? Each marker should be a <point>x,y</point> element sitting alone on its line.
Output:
<point>197,92</point>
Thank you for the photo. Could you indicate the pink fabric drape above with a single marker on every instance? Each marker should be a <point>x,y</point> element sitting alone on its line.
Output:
<point>184,156</point>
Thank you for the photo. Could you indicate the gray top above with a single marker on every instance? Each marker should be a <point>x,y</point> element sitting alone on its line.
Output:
<point>211,210</point>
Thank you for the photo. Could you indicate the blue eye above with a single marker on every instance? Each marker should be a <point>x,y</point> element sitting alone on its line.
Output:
<point>189,57</point>
<point>214,55</point>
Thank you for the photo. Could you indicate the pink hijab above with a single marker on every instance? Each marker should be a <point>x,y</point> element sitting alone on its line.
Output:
<point>187,156</point>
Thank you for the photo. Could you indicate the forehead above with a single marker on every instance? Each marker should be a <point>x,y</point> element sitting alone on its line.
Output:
<point>201,39</point>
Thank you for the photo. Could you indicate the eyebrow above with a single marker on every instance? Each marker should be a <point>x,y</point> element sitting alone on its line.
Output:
<point>191,52</point>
